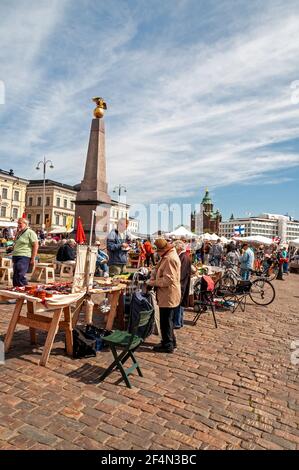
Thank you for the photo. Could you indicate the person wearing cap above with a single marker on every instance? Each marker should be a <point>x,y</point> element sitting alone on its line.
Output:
<point>166,279</point>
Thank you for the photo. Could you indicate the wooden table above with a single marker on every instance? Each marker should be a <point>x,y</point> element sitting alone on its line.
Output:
<point>43,317</point>
<point>116,302</point>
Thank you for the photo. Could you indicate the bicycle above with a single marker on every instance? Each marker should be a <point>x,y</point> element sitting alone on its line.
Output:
<point>231,286</point>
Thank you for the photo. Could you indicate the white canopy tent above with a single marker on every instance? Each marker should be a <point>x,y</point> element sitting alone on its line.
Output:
<point>209,237</point>
<point>214,237</point>
<point>182,232</point>
<point>294,243</point>
<point>61,230</point>
<point>255,239</point>
<point>6,224</point>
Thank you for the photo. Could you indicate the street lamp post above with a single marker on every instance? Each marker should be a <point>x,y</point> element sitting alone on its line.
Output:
<point>44,164</point>
<point>118,189</point>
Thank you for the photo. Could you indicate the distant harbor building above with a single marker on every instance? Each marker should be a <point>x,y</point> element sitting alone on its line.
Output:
<point>268,225</point>
<point>206,220</point>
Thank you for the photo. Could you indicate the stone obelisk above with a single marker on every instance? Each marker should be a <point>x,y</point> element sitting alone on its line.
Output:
<point>93,194</point>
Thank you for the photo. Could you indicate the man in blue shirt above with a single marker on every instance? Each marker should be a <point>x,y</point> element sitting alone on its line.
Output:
<point>246,261</point>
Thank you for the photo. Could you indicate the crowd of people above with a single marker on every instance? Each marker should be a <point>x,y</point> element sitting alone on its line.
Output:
<point>171,261</point>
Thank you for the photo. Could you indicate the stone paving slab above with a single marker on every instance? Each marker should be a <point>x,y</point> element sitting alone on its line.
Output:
<point>228,388</point>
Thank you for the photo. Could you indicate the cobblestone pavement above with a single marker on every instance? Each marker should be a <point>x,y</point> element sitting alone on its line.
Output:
<point>227,388</point>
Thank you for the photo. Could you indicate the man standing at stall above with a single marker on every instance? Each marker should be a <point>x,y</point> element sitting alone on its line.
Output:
<point>118,247</point>
<point>166,280</point>
<point>24,252</point>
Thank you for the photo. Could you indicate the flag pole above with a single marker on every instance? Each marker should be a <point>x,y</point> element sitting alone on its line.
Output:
<point>88,261</point>
<point>93,214</point>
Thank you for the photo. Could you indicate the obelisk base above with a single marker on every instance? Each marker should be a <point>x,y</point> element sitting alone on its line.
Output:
<point>101,224</point>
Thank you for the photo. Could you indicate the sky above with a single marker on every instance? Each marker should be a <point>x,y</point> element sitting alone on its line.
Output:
<point>199,93</point>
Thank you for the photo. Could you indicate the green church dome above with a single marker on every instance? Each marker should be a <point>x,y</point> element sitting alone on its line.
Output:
<point>207,199</point>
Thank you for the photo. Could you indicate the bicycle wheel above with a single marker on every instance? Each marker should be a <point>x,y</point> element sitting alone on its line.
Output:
<point>262,292</point>
<point>272,273</point>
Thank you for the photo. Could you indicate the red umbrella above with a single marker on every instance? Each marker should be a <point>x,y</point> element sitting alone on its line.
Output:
<point>80,235</point>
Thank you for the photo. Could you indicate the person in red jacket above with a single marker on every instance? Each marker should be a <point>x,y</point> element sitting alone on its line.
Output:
<point>149,252</point>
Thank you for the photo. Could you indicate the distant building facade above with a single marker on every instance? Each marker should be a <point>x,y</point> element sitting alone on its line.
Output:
<point>267,225</point>
<point>206,220</point>
<point>12,197</point>
<point>121,210</point>
<point>59,205</point>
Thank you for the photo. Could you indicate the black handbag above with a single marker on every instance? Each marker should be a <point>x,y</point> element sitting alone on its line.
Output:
<point>97,334</point>
<point>83,344</point>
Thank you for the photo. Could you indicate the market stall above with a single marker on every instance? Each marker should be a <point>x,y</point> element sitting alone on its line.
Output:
<point>57,306</point>
<point>45,308</point>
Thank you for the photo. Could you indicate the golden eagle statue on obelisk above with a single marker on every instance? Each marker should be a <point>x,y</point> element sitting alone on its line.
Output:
<point>101,106</point>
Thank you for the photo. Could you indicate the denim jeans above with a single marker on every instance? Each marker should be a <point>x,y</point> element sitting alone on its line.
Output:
<point>285,268</point>
<point>178,317</point>
<point>245,274</point>
<point>20,268</point>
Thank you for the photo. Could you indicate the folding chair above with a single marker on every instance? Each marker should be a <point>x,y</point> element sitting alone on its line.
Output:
<point>242,290</point>
<point>237,295</point>
<point>140,326</point>
<point>204,291</point>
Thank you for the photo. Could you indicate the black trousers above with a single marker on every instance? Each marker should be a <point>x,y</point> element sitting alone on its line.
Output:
<point>166,326</point>
<point>149,258</point>
<point>20,268</point>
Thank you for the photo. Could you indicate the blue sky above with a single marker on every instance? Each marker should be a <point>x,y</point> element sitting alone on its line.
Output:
<point>198,92</point>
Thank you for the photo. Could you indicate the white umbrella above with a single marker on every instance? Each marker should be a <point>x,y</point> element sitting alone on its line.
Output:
<point>294,242</point>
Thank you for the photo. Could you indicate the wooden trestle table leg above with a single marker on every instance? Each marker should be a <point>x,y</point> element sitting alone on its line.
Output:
<point>12,324</point>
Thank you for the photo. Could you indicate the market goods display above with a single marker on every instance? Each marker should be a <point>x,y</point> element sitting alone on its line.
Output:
<point>42,291</point>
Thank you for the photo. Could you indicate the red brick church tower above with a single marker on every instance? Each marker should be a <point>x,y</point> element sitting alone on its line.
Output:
<point>207,220</point>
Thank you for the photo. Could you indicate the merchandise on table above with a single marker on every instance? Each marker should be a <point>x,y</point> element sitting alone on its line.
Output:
<point>43,291</point>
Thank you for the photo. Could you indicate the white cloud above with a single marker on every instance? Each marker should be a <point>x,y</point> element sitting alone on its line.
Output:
<point>180,115</point>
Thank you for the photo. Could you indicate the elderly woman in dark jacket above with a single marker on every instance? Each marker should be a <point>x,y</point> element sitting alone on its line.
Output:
<point>185,283</point>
